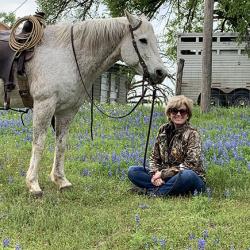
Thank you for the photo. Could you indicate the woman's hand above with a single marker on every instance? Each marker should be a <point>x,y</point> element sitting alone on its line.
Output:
<point>156,179</point>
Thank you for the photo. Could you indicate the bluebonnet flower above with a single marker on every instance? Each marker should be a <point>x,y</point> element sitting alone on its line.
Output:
<point>137,220</point>
<point>110,173</point>
<point>195,193</point>
<point>22,172</point>
<point>209,192</point>
<point>162,243</point>
<point>85,172</point>
<point>248,166</point>
<point>6,242</point>
<point>227,193</point>
<point>155,240</point>
<point>201,244</point>
<point>205,234</point>
<point>10,179</point>
<point>191,236</point>
<point>18,247</point>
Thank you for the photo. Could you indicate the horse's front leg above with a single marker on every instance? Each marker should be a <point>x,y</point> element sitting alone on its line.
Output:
<point>62,126</point>
<point>42,114</point>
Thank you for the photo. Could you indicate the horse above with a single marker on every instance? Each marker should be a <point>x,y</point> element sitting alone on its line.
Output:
<point>55,81</point>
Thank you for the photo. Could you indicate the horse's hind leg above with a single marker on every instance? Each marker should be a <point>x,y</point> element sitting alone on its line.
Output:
<point>42,115</point>
<point>62,126</point>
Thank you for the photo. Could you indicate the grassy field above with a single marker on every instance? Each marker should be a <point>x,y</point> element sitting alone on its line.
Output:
<point>99,213</point>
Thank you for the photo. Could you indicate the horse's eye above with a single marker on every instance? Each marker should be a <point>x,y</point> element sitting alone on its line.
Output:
<point>143,40</point>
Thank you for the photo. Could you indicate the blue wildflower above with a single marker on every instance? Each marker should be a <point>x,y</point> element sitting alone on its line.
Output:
<point>155,240</point>
<point>205,234</point>
<point>6,242</point>
<point>85,172</point>
<point>162,243</point>
<point>137,220</point>
<point>10,179</point>
<point>191,236</point>
<point>201,244</point>
<point>18,247</point>
<point>227,193</point>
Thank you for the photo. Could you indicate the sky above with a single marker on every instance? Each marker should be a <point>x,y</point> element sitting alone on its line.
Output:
<point>28,8</point>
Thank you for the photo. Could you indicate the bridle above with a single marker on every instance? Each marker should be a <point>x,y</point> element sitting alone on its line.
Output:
<point>146,77</point>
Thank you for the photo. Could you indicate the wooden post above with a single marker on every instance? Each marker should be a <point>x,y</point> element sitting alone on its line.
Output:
<point>207,56</point>
<point>180,67</point>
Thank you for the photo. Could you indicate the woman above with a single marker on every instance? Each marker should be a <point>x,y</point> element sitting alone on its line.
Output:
<point>175,165</point>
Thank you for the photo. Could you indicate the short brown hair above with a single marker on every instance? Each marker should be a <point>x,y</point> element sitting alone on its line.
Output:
<point>177,102</point>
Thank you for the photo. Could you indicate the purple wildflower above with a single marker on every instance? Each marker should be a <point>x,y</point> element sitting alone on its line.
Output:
<point>191,236</point>
<point>137,220</point>
<point>85,172</point>
<point>201,244</point>
<point>162,243</point>
<point>205,234</point>
<point>6,242</point>
<point>18,247</point>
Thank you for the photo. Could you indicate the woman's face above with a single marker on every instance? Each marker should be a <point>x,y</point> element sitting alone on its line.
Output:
<point>179,116</point>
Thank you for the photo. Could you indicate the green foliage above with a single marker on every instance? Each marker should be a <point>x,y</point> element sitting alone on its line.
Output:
<point>7,18</point>
<point>99,212</point>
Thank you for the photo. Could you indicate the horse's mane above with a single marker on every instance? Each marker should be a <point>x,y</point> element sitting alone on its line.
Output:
<point>94,32</point>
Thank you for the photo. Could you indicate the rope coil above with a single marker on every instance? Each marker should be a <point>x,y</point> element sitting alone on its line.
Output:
<point>18,43</point>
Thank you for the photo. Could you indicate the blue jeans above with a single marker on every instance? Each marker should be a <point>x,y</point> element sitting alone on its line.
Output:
<point>187,181</point>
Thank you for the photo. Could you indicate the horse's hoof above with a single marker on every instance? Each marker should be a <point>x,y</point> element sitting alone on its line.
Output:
<point>65,187</point>
<point>36,194</point>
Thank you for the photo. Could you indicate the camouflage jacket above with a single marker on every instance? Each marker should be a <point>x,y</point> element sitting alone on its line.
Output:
<point>177,146</point>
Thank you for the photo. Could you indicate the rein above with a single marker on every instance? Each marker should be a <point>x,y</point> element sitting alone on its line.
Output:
<point>146,76</point>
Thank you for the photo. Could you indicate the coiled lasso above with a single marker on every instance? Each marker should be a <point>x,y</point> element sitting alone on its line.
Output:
<point>29,40</point>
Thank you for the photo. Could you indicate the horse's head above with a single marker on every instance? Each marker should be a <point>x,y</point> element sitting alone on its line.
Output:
<point>146,43</point>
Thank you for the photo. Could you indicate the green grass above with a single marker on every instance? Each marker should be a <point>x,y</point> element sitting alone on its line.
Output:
<point>99,213</point>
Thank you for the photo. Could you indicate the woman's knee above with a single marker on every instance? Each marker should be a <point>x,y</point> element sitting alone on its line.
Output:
<point>132,170</point>
<point>189,176</point>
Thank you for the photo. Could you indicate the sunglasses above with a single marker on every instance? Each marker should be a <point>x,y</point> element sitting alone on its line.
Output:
<point>175,111</point>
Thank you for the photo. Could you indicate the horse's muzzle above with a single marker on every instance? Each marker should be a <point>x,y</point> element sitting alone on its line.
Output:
<point>158,75</point>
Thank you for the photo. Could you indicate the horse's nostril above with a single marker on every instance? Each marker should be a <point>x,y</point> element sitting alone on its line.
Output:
<point>159,73</point>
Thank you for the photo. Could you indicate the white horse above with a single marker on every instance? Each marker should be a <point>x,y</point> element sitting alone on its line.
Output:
<point>55,83</point>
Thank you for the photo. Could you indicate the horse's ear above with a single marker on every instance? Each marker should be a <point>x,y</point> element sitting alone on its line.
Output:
<point>133,20</point>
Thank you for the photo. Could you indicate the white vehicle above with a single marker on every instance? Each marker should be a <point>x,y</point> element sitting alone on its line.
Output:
<point>230,68</point>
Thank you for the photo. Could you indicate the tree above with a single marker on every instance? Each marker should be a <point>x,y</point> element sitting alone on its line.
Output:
<point>207,56</point>
<point>68,9</point>
<point>7,18</point>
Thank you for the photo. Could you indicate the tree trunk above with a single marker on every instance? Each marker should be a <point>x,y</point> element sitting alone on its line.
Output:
<point>207,56</point>
<point>180,67</point>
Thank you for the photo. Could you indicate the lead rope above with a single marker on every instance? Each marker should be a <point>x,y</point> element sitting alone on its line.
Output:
<point>149,129</point>
<point>146,76</point>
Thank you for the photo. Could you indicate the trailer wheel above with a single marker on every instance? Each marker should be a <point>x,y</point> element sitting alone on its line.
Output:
<point>217,98</point>
<point>241,99</point>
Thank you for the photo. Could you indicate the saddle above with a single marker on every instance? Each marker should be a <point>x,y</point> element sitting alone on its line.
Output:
<point>13,64</point>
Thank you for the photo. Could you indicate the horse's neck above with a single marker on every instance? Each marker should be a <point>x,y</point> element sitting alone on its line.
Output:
<point>101,50</point>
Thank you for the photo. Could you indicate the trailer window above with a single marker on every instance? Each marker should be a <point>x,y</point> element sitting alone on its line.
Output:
<point>188,52</point>
<point>228,52</point>
<point>201,39</point>
<point>188,39</point>
<point>228,39</point>
<point>213,52</point>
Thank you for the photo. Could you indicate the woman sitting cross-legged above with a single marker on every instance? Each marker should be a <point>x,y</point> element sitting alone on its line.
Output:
<point>175,166</point>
